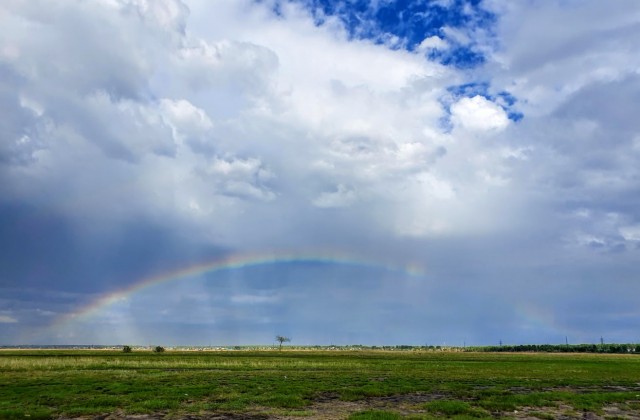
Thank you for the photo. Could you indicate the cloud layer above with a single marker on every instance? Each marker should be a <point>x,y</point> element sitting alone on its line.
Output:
<point>491,143</point>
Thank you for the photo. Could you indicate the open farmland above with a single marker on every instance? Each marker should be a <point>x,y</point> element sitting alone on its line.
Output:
<point>317,384</point>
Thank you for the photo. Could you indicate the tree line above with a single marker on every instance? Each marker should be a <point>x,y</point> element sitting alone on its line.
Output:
<point>561,348</point>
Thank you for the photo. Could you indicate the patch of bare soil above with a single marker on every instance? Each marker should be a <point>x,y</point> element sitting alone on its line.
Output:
<point>565,412</point>
<point>411,405</point>
<point>329,406</point>
<point>166,416</point>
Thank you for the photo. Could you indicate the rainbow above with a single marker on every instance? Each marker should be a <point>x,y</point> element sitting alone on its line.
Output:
<point>225,264</point>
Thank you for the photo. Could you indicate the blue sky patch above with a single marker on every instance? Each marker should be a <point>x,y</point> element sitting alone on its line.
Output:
<point>470,90</point>
<point>409,22</point>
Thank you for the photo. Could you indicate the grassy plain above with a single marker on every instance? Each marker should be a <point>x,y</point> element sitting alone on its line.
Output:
<point>317,384</point>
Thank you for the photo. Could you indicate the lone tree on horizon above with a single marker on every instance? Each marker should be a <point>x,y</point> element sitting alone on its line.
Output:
<point>282,339</point>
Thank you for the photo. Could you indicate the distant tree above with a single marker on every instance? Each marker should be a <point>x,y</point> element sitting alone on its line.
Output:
<point>127,349</point>
<point>158,349</point>
<point>282,339</point>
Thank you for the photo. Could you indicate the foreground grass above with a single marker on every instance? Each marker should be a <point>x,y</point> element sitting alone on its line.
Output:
<point>46,384</point>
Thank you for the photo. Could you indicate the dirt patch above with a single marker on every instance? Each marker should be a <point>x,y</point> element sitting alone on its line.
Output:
<point>167,416</point>
<point>328,406</point>
<point>331,407</point>
<point>566,412</point>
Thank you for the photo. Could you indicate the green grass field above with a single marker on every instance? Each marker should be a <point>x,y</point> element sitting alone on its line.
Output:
<point>321,384</point>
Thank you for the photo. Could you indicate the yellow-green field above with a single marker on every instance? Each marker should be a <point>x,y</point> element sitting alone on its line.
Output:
<point>317,384</point>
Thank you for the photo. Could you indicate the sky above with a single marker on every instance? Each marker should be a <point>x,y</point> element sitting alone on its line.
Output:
<point>383,172</point>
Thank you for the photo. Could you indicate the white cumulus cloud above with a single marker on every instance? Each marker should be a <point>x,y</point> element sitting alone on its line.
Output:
<point>478,113</point>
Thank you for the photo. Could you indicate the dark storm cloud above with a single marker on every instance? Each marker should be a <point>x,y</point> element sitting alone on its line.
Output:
<point>47,251</point>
